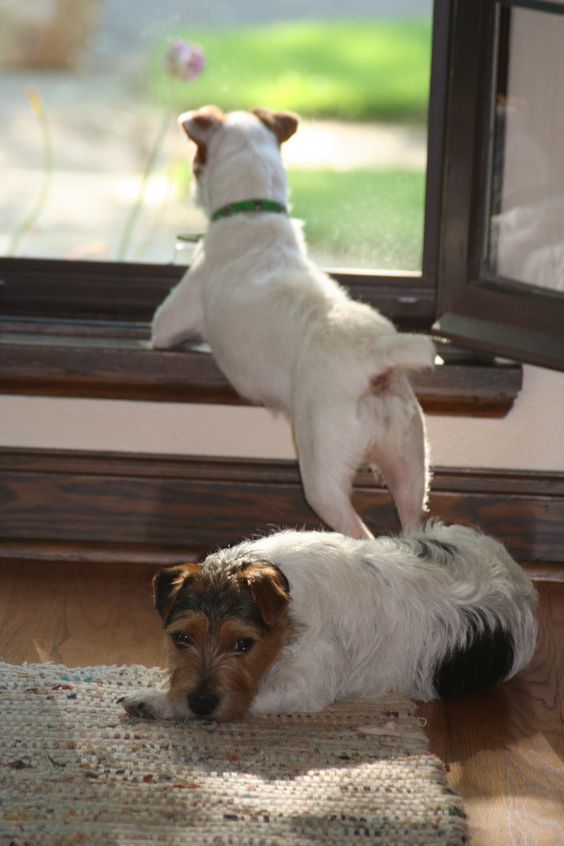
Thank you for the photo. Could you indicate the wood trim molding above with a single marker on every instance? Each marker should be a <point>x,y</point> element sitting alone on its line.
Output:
<point>158,509</point>
<point>111,361</point>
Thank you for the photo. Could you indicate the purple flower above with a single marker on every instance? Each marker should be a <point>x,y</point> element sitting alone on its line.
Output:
<point>183,60</point>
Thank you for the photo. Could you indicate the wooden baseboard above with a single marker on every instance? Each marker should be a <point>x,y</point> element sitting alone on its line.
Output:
<point>109,506</point>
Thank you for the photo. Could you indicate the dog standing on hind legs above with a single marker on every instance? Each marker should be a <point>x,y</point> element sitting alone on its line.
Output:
<point>286,335</point>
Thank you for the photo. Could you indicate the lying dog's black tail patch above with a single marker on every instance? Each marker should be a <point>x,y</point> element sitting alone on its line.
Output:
<point>484,662</point>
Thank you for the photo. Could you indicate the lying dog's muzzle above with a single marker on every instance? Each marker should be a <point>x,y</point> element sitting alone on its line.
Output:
<point>203,704</point>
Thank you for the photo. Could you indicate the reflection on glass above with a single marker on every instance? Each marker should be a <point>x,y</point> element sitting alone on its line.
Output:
<point>526,238</point>
<point>94,167</point>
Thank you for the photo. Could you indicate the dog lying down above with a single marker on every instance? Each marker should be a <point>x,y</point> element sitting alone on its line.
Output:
<point>297,620</point>
<point>286,335</point>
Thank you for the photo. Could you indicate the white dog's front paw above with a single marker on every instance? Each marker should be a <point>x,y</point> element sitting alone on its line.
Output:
<point>149,703</point>
<point>166,338</point>
<point>163,337</point>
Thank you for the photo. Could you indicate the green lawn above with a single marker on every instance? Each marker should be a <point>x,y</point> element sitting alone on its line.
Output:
<point>370,70</point>
<point>351,70</point>
<point>363,218</point>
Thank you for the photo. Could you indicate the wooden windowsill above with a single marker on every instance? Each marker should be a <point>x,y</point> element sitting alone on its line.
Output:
<point>113,360</point>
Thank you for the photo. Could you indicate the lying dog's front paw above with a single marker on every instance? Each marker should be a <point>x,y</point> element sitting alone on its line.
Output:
<point>150,704</point>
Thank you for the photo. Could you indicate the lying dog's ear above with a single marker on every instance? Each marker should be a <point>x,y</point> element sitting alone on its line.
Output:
<point>269,588</point>
<point>201,124</point>
<point>168,583</point>
<point>282,124</point>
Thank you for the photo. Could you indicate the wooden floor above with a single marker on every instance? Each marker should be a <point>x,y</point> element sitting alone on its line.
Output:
<point>505,750</point>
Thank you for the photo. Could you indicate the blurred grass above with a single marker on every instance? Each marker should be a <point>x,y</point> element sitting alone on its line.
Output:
<point>367,70</point>
<point>350,70</point>
<point>356,218</point>
<point>363,218</point>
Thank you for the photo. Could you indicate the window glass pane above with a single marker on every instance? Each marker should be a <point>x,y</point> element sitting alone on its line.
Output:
<point>94,166</point>
<point>526,237</point>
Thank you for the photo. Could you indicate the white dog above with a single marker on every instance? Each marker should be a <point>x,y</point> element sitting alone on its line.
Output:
<point>286,335</point>
<point>295,621</point>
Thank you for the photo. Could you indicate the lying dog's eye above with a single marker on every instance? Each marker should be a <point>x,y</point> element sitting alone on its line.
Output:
<point>243,645</point>
<point>181,640</point>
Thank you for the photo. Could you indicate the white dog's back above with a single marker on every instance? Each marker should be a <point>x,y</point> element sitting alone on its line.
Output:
<point>439,612</point>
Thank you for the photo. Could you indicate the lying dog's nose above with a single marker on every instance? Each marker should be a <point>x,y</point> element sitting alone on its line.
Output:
<point>203,704</point>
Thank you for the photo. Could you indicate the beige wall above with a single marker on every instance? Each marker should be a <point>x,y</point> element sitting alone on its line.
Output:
<point>530,437</point>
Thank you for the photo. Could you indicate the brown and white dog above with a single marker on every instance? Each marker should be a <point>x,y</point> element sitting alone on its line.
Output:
<point>286,335</point>
<point>297,620</point>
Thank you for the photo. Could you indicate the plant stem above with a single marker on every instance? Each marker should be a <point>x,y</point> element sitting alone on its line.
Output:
<point>138,205</point>
<point>27,224</point>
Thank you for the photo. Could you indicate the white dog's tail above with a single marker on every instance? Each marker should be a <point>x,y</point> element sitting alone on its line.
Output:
<point>403,351</point>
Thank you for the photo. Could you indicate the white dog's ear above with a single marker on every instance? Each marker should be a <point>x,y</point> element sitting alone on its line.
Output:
<point>269,588</point>
<point>282,124</point>
<point>201,124</point>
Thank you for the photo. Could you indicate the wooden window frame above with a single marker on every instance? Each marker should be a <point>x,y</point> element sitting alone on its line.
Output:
<point>475,309</point>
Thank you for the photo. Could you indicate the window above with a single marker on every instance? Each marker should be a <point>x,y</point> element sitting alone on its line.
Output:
<point>64,303</point>
<point>96,169</point>
<point>501,261</point>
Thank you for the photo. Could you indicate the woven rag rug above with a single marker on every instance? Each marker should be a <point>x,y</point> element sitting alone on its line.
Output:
<point>74,768</point>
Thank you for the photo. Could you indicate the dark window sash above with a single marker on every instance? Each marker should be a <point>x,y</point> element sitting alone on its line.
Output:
<point>474,309</point>
<point>55,290</point>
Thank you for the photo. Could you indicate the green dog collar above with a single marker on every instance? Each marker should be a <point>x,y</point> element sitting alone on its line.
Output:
<point>249,206</point>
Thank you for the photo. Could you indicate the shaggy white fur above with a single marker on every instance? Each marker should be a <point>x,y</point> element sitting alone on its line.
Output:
<point>288,336</point>
<point>440,612</point>
<point>383,614</point>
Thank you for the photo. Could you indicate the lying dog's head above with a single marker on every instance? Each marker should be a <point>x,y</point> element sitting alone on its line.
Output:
<point>225,627</point>
<point>238,154</point>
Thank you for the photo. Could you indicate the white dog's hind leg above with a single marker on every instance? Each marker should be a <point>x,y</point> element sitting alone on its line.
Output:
<point>329,455</point>
<point>400,454</point>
